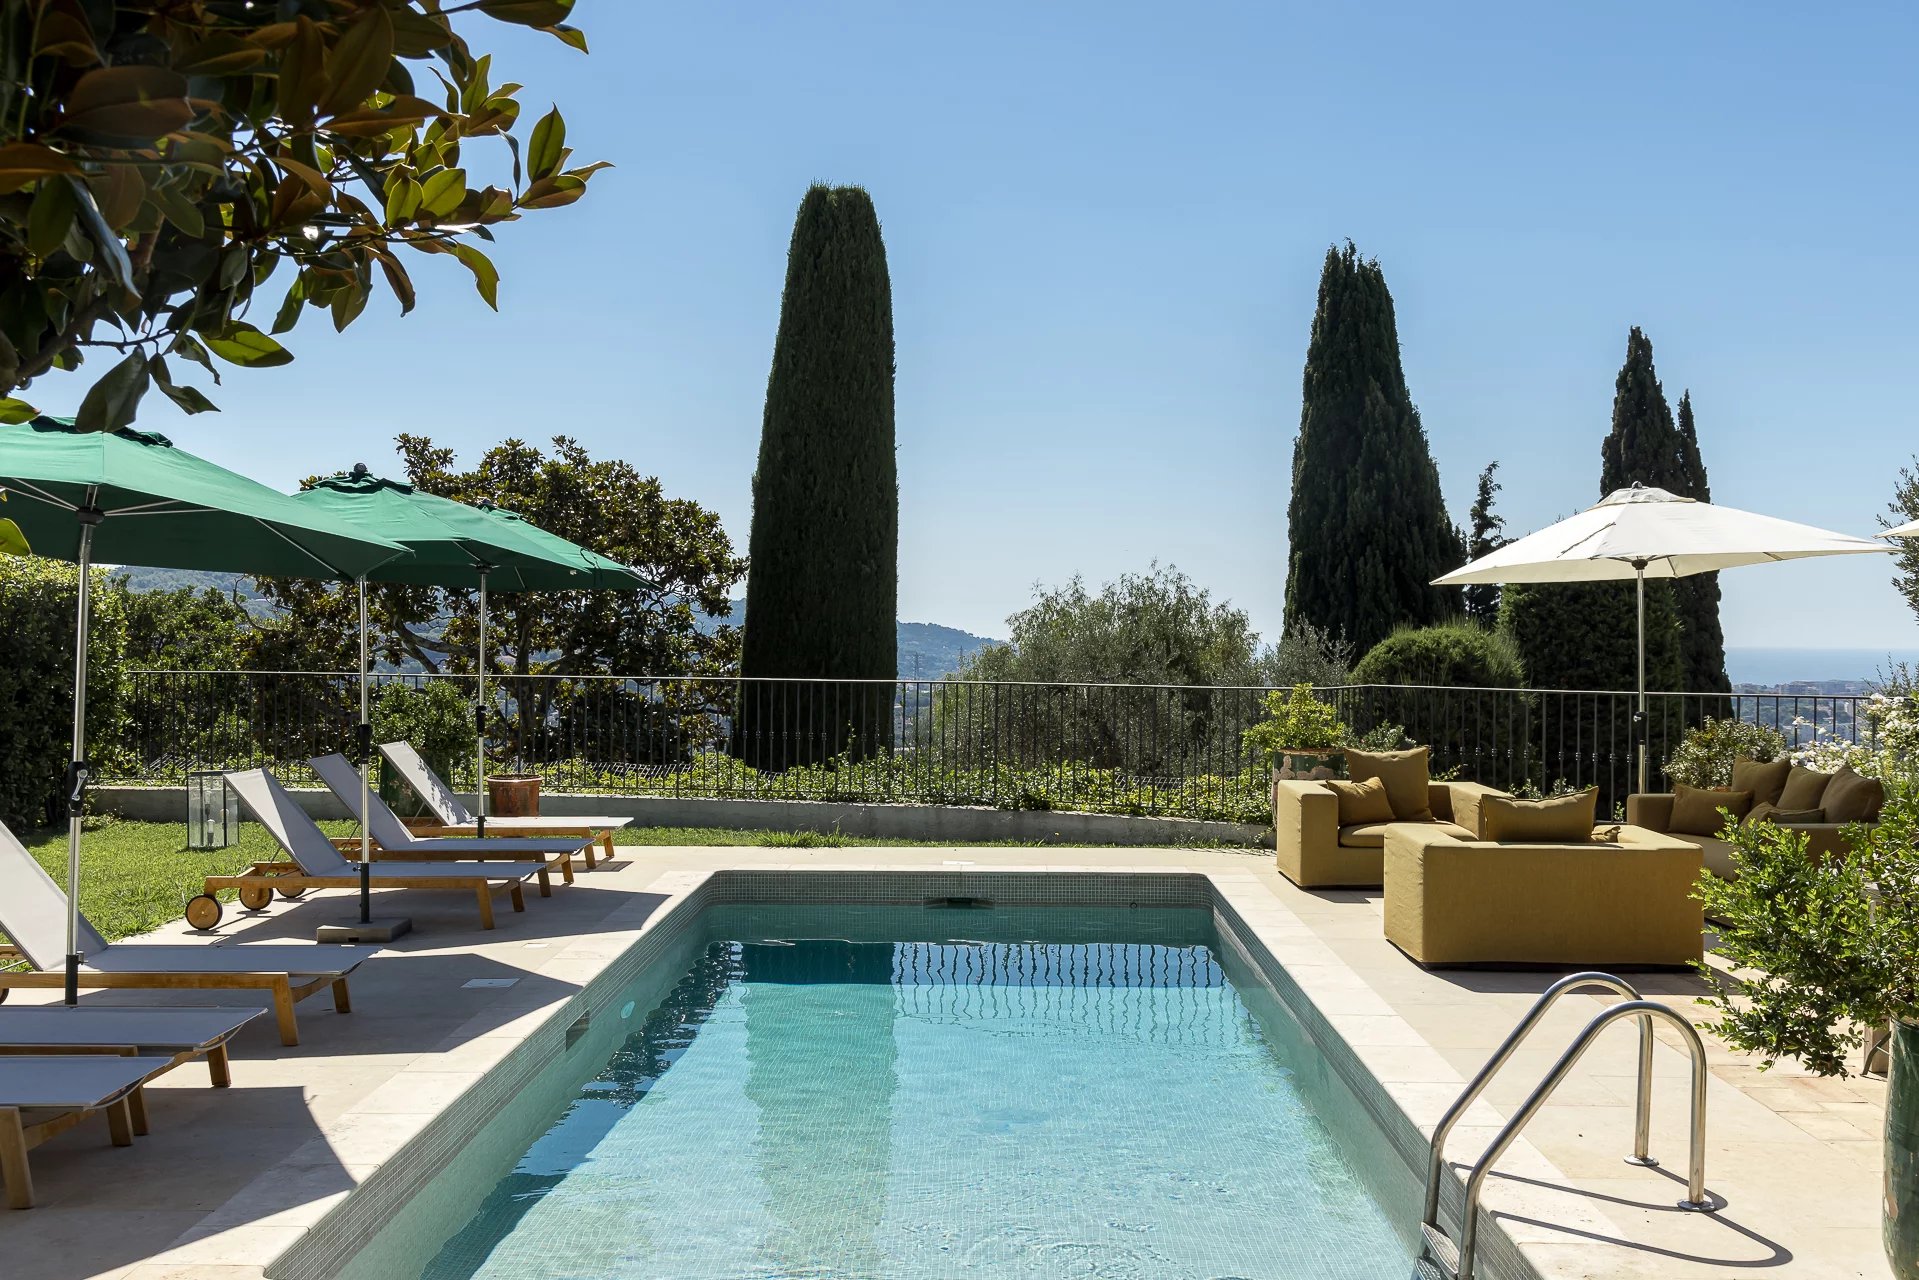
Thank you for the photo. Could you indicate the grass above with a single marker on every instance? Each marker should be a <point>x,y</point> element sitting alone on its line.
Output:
<point>137,876</point>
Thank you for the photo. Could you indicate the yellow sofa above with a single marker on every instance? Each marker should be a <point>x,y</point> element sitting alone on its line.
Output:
<point>1315,853</point>
<point>1653,811</point>
<point>1624,901</point>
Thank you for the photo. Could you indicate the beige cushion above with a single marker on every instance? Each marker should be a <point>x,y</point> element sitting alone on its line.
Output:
<point>1372,835</point>
<point>1560,820</point>
<point>1764,781</point>
<point>1695,810</point>
<point>1803,789</point>
<point>1774,814</point>
<point>1852,798</point>
<point>1405,776</point>
<point>1361,802</point>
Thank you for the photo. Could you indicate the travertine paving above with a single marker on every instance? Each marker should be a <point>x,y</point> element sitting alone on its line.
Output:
<point>228,1179</point>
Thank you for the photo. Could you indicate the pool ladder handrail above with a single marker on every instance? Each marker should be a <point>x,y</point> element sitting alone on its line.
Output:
<point>1457,1261</point>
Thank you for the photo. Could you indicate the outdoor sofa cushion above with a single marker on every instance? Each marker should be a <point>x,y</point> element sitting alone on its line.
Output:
<point>1781,817</point>
<point>1405,774</point>
<point>1803,789</point>
<point>1764,781</point>
<point>1361,802</point>
<point>1372,835</point>
<point>1852,798</point>
<point>1695,810</point>
<point>1559,820</point>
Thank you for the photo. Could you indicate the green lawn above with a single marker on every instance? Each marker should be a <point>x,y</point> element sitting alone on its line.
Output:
<point>136,876</point>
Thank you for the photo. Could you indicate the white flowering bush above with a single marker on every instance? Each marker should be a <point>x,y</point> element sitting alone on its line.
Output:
<point>1890,724</point>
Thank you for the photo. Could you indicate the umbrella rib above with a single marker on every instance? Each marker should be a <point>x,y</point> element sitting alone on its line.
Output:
<point>161,509</point>
<point>332,569</point>
<point>40,495</point>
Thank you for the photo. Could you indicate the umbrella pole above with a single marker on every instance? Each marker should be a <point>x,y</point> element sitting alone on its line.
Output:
<point>1639,720</point>
<point>89,517</point>
<point>479,719</point>
<point>366,751</point>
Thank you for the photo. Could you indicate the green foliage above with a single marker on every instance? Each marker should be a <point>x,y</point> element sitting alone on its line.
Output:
<point>434,716</point>
<point>1367,527</point>
<point>1307,654</point>
<point>1704,640</point>
<point>184,630</point>
<point>37,601</point>
<point>1485,537</point>
<point>1904,507</point>
<point>1833,943</point>
<point>159,161</point>
<point>823,587</point>
<point>802,839</point>
<point>1456,654</point>
<point>1295,721</point>
<point>1706,754</point>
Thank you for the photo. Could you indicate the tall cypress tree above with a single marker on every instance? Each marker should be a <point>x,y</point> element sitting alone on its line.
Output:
<point>1705,638</point>
<point>1367,526</point>
<point>823,585</point>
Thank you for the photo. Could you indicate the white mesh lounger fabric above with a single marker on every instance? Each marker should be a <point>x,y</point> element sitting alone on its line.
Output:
<point>45,1094</point>
<point>451,818</point>
<point>391,836</point>
<point>318,865</point>
<point>33,913</point>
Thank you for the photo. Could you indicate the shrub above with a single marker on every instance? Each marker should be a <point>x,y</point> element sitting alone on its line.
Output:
<point>37,599</point>
<point>1295,721</point>
<point>1451,654</point>
<point>435,717</point>
<point>1706,753</point>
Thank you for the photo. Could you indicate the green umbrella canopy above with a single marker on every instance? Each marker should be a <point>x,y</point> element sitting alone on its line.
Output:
<point>453,542</point>
<point>165,507</point>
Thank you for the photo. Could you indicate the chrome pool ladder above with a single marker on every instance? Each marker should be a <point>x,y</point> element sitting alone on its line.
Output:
<point>1456,1260</point>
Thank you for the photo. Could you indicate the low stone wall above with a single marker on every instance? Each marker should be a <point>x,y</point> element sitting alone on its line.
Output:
<point>957,823</point>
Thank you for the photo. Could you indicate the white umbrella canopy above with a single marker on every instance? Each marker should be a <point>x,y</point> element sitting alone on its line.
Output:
<point>1908,530</point>
<point>1641,533</point>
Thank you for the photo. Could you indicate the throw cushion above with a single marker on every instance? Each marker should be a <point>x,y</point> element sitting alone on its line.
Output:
<point>1361,801</point>
<point>1782,817</point>
<point>1764,781</point>
<point>1405,776</point>
<point>1804,789</point>
<point>1560,820</point>
<point>1851,798</point>
<point>1695,811</point>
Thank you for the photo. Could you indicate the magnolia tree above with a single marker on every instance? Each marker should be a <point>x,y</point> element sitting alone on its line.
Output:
<point>161,161</point>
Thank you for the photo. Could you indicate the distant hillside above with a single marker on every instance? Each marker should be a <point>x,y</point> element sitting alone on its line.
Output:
<point>927,650</point>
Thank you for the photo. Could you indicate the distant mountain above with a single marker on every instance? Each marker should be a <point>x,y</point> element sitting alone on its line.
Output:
<point>927,650</point>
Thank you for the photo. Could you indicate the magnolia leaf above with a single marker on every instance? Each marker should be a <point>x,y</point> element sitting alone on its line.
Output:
<point>188,398</point>
<point>242,344</point>
<point>188,346</point>
<point>551,193</point>
<point>348,303</point>
<point>12,541</point>
<point>290,306</point>
<point>13,412</point>
<point>398,280</point>
<point>133,103</point>
<point>111,402</point>
<point>528,13</point>
<point>359,61</point>
<point>50,217</point>
<point>441,194</point>
<point>402,201</point>
<point>26,162</point>
<point>180,211</point>
<point>121,190</point>
<point>486,277</point>
<point>220,54</point>
<point>113,253</point>
<point>544,153</point>
<point>572,36</point>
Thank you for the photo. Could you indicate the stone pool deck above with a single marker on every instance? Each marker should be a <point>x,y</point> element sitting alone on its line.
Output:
<point>230,1179</point>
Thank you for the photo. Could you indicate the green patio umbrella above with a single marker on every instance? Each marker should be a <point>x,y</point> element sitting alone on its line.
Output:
<point>455,545</point>
<point>131,497</point>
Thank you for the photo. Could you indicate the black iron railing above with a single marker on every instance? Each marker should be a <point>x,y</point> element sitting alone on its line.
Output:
<point>1143,749</point>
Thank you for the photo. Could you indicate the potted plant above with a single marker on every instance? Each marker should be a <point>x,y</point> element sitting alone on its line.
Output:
<point>1834,946</point>
<point>1301,736</point>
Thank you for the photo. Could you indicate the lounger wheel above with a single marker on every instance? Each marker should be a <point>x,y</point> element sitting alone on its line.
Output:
<point>255,897</point>
<point>203,911</point>
<point>290,891</point>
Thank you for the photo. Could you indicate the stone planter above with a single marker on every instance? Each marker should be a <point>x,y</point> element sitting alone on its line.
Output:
<point>1901,1230</point>
<point>1311,765</point>
<point>513,795</point>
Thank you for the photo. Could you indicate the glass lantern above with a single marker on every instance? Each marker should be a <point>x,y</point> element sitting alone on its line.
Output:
<point>213,812</point>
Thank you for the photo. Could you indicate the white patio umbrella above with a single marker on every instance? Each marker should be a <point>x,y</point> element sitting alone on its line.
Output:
<point>1908,530</point>
<point>1642,533</point>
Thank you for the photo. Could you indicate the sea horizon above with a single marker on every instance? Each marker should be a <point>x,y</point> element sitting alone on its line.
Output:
<point>1770,665</point>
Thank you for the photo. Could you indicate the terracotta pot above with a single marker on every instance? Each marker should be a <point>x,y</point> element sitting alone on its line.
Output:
<point>1901,1229</point>
<point>513,795</point>
<point>1311,764</point>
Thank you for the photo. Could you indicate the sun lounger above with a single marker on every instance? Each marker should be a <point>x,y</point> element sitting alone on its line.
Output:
<point>316,864</point>
<point>33,913</point>
<point>45,1094</point>
<point>451,818</point>
<point>176,1032</point>
<point>390,836</point>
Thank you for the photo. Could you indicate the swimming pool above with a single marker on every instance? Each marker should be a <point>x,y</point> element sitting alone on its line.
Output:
<point>832,1091</point>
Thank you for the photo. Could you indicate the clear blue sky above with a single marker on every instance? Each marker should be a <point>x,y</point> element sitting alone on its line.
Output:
<point>1105,224</point>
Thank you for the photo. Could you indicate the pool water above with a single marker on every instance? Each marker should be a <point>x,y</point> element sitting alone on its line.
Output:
<point>822,1109</point>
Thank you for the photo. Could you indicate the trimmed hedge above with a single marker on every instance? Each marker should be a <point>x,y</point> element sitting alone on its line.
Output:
<point>1453,654</point>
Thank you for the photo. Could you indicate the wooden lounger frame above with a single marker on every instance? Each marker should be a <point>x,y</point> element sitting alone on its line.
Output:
<point>126,1116</point>
<point>287,876</point>
<point>601,837</point>
<point>561,861</point>
<point>286,992</point>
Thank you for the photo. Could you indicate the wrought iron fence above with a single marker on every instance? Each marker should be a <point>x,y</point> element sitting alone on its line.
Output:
<point>1143,749</point>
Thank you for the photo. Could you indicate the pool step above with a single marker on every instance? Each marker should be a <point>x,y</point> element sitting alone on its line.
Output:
<point>1440,1246</point>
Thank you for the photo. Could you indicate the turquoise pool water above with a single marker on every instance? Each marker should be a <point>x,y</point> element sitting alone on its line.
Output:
<point>1005,1096</point>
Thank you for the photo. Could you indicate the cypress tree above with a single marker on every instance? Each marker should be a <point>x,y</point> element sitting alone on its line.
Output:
<point>1487,536</point>
<point>823,582</point>
<point>1367,525</point>
<point>1705,638</point>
